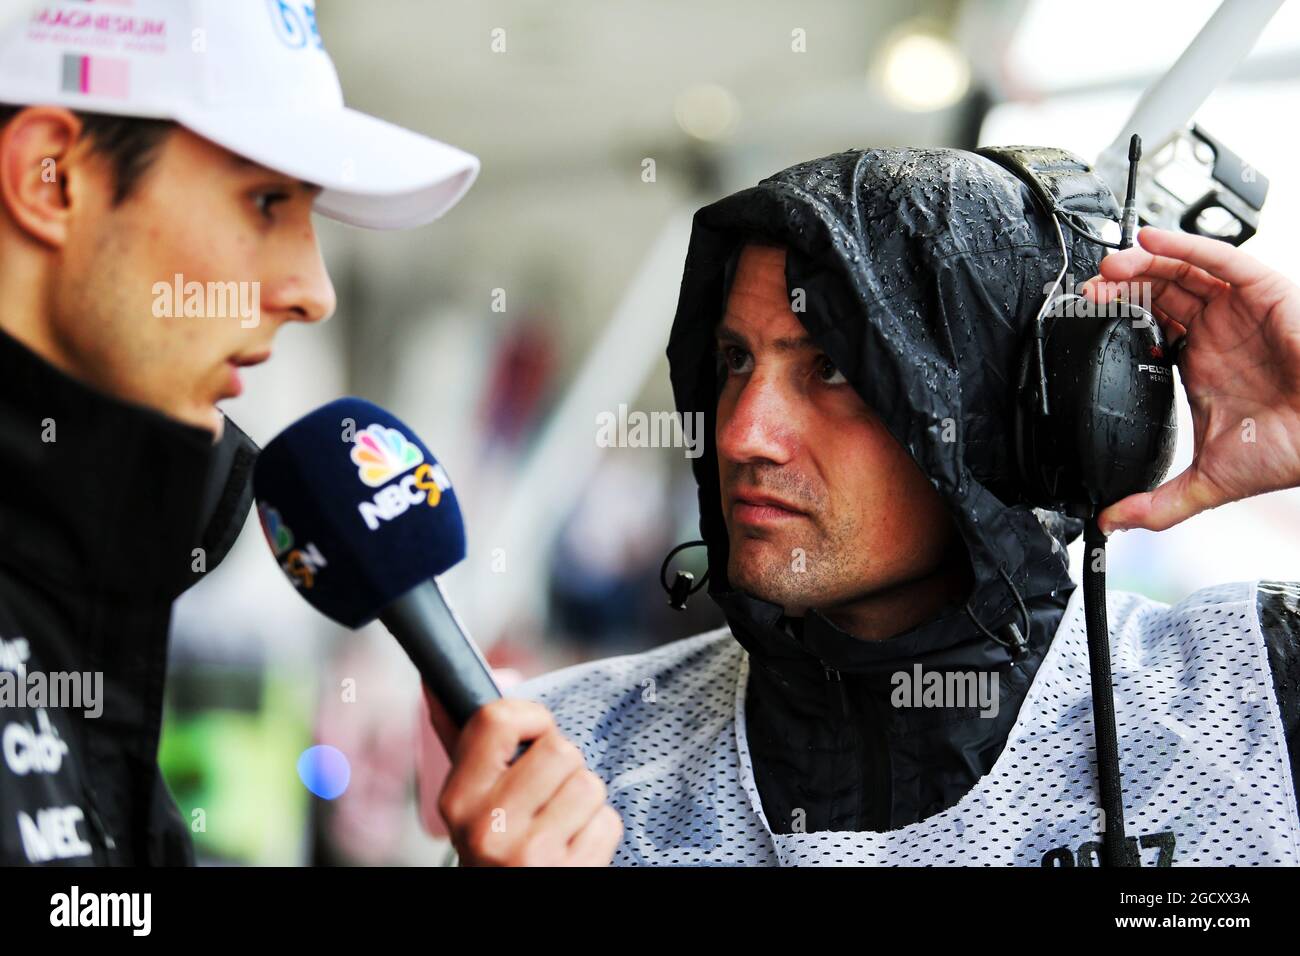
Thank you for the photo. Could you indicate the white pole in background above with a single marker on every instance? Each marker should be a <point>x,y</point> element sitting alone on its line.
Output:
<point>1172,100</point>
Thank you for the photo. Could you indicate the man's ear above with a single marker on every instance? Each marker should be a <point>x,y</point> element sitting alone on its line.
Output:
<point>37,150</point>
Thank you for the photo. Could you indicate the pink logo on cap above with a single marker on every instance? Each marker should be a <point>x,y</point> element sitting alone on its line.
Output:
<point>96,76</point>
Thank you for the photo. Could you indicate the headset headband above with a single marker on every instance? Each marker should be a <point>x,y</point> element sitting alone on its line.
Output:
<point>1062,183</point>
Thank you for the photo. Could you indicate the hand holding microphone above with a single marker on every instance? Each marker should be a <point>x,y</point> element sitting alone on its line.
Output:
<point>362,519</point>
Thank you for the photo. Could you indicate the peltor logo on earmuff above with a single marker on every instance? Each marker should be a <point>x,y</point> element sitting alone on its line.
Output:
<point>381,454</point>
<point>1156,371</point>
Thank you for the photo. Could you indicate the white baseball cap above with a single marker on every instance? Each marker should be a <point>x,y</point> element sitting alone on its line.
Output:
<point>249,75</point>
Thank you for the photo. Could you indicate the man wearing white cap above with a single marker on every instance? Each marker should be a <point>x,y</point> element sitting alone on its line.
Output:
<point>159,159</point>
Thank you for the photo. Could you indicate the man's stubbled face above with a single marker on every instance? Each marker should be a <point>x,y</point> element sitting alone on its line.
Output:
<point>823,506</point>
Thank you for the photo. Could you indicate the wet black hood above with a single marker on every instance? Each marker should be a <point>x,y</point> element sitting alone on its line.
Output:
<point>923,270</point>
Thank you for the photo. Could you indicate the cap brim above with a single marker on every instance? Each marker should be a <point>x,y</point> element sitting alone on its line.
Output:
<point>372,173</point>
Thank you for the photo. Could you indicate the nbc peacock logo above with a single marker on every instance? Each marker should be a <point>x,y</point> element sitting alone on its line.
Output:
<point>277,532</point>
<point>301,564</point>
<point>381,454</point>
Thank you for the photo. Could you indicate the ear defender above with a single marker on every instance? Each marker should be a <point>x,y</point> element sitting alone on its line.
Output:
<point>1110,426</point>
<point>1095,418</point>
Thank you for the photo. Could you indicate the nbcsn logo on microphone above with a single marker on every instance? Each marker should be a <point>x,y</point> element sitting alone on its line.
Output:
<point>381,454</point>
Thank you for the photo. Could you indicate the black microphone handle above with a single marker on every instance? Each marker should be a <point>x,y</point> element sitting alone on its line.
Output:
<point>448,661</point>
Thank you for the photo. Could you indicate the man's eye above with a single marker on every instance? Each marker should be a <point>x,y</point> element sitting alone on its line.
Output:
<point>266,200</point>
<point>735,360</point>
<point>828,373</point>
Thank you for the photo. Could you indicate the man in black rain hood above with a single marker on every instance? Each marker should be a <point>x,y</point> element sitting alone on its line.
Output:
<point>904,675</point>
<point>916,273</point>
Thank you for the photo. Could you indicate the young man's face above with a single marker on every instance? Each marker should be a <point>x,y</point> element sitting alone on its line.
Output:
<point>823,506</point>
<point>203,214</point>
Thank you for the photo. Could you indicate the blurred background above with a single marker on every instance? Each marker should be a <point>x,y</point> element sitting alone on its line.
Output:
<point>544,300</point>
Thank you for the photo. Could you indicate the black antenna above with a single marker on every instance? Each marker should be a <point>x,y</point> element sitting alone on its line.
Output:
<point>1128,225</point>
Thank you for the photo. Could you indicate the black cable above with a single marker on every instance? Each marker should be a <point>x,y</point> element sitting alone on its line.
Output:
<point>684,584</point>
<point>1017,648</point>
<point>1068,218</point>
<point>1103,694</point>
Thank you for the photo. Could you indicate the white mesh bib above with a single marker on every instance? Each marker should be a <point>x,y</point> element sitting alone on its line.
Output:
<point>1206,773</point>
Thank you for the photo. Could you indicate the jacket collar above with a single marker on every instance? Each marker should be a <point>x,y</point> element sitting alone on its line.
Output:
<point>102,497</point>
<point>798,652</point>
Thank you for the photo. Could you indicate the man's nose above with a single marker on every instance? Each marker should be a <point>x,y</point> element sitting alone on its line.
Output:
<point>759,425</point>
<point>305,292</point>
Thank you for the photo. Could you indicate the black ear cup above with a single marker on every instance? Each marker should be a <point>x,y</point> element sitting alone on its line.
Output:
<point>1111,425</point>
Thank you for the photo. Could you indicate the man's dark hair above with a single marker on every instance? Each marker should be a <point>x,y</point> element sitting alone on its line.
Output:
<point>129,143</point>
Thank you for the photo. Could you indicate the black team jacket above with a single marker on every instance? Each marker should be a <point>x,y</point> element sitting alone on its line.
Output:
<point>108,512</point>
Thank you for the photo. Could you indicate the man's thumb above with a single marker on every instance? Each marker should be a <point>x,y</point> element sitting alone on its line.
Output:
<point>1172,502</point>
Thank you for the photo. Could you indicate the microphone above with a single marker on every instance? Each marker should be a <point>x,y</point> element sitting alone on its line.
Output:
<point>362,519</point>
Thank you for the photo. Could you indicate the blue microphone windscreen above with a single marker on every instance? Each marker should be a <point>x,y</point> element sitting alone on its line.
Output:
<point>356,510</point>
